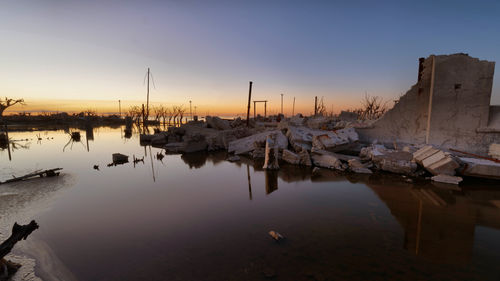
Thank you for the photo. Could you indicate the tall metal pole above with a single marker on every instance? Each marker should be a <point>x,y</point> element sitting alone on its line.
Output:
<point>249,99</point>
<point>282,104</point>
<point>190,111</point>
<point>293,108</point>
<point>147,102</point>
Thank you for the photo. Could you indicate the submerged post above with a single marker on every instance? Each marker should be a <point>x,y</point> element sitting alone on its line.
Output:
<point>249,99</point>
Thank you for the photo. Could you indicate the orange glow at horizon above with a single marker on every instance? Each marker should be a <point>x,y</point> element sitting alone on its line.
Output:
<point>234,108</point>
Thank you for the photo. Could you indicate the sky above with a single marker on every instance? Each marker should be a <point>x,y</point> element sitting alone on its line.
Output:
<point>63,55</point>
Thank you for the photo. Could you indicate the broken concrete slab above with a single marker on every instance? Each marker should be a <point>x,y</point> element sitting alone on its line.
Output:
<point>217,123</point>
<point>271,154</point>
<point>447,179</point>
<point>481,168</point>
<point>394,161</point>
<point>290,157</point>
<point>423,153</point>
<point>246,145</point>
<point>326,159</point>
<point>438,162</point>
<point>329,141</point>
<point>357,167</point>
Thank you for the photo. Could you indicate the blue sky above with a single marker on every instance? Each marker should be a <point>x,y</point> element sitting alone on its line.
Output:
<point>207,51</point>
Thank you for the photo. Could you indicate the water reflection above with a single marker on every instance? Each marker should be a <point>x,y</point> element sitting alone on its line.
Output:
<point>197,215</point>
<point>439,223</point>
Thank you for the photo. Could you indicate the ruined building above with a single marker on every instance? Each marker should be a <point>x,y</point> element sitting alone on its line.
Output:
<point>449,107</point>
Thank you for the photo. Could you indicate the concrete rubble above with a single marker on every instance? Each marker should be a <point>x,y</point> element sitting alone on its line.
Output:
<point>447,179</point>
<point>436,161</point>
<point>271,154</point>
<point>389,160</point>
<point>481,168</point>
<point>410,139</point>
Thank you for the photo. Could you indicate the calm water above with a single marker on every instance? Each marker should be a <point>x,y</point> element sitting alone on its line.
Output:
<point>199,217</point>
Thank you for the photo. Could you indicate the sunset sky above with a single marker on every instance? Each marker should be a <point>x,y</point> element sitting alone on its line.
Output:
<point>71,55</point>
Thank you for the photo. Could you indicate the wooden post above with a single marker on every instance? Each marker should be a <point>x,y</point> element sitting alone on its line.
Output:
<point>293,108</point>
<point>315,106</point>
<point>254,116</point>
<point>265,109</point>
<point>190,111</point>
<point>249,99</point>
<point>120,107</point>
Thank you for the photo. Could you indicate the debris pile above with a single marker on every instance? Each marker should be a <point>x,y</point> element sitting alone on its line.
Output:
<point>322,142</point>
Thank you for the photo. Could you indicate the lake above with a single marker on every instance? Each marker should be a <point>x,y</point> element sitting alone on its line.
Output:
<point>200,217</point>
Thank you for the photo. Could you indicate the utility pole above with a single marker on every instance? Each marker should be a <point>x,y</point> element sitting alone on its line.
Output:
<point>293,108</point>
<point>190,111</point>
<point>282,105</point>
<point>147,102</point>
<point>249,99</point>
<point>315,105</point>
<point>120,107</point>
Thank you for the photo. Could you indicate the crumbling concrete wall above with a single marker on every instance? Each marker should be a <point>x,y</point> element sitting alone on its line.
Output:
<point>406,122</point>
<point>448,107</point>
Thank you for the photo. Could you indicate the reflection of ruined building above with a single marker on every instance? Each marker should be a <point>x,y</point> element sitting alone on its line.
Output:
<point>449,107</point>
<point>439,226</point>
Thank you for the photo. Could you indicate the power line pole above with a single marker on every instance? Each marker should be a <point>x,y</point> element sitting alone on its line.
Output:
<point>190,111</point>
<point>315,106</point>
<point>147,102</point>
<point>282,104</point>
<point>249,99</point>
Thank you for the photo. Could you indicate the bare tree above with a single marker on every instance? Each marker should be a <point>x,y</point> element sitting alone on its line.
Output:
<point>135,112</point>
<point>321,109</point>
<point>372,107</point>
<point>6,103</point>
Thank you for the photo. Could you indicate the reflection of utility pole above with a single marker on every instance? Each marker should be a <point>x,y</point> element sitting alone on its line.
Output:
<point>419,227</point>
<point>249,183</point>
<point>190,111</point>
<point>282,104</point>
<point>152,167</point>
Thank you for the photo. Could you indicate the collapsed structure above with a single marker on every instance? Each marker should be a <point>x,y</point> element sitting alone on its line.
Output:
<point>447,110</point>
<point>448,107</point>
